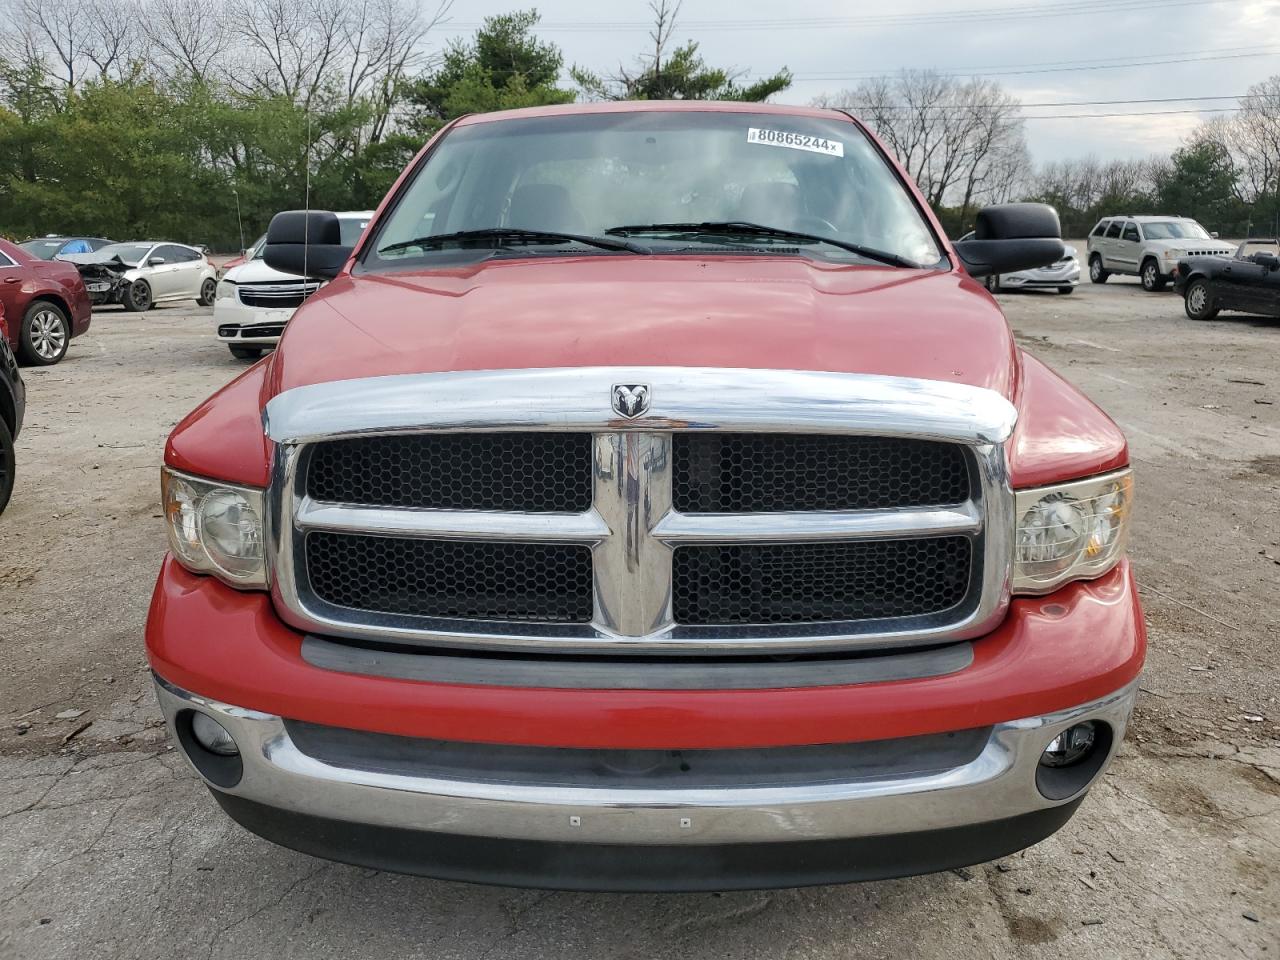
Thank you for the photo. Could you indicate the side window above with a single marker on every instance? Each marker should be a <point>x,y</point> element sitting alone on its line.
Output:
<point>5,261</point>
<point>1101,228</point>
<point>1113,231</point>
<point>173,253</point>
<point>1131,233</point>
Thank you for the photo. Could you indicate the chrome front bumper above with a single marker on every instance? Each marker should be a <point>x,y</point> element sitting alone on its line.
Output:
<point>1000,783</point>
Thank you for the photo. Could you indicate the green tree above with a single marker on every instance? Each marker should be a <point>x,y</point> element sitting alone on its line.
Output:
<point>1200,182</point>
<point>504,66</point>
<point>680,75</point>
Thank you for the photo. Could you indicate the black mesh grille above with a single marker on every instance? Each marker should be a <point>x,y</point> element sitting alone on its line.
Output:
<point>743,473</point>
<point>534,472</point>
<point>818,582</point>
<point>437,578</point>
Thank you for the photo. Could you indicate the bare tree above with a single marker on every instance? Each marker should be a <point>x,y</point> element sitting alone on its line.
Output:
<point>111,35</point>
<point>189,39</point>
<point>54,27</point>
<point>1252,140</point>
<point>959,141</point>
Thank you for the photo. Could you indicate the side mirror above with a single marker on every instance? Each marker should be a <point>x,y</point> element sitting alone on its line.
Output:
<point>307,243</point>
<point>1213,234</point>
<point>1268,260</point>
<point>154,261</point>
<point>1010,237</point>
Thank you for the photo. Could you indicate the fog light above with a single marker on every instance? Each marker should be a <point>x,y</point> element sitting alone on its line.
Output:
<point>1070,746</point>
<point>213,736</point>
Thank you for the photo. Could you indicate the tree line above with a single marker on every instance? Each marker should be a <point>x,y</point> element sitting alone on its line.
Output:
<point>196,120</point>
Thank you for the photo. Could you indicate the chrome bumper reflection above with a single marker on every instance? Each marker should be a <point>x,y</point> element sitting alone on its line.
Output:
<point>998,783</point>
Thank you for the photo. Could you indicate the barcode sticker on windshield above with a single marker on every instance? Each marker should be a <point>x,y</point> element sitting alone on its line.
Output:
<point>796,141</point>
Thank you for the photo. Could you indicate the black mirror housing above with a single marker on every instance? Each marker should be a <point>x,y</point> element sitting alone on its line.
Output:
<point>1268,260</point>
<point>307,243</point>
<point>1010,237</point>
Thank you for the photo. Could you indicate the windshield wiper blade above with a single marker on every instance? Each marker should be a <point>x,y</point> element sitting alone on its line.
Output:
<point>515,233</point>
<point>743,228</point>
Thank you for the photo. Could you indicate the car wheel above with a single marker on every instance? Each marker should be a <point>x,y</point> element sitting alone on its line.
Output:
<point>208,290</point>
<point>1066,289</point>
<point>992,282</point>
<point>246,353</point>
<point>45,334</point>
<point>6,465</point>
<point>137,297</point>
<point>1199,302</point>
<point>1152,282</point>
<point>1096,272</point>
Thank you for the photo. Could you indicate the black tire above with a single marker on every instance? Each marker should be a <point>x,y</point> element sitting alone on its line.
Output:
<point>1198,293</point>
<point>992,282</point>
<point>45,336</point>
<point>246,353</point>
<point>1097,273</point>
<point>208,290</point>
<point>6,465</point>
<point>1065,290</point>
<point>137,297</point>
<point>1152,282</point>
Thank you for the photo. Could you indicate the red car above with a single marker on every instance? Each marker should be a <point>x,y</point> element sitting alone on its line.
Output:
<point>651,499</point>
<point>46,303</point>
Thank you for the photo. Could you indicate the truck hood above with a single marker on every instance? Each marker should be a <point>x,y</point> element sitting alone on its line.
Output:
<point>724,311</point>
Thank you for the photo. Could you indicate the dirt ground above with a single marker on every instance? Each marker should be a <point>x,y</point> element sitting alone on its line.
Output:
<point>111,848</point>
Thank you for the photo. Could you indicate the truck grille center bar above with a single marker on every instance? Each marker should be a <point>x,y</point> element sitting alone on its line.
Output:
<point>722,512</point>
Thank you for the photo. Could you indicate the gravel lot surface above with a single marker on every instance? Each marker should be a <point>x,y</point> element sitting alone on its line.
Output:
<point>111,848</point>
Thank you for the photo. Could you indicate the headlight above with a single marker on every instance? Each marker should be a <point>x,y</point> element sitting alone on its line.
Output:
<point>225,289</point>
<point>1173,254</point>
<point>215,528</point>
<point>1070,531</point>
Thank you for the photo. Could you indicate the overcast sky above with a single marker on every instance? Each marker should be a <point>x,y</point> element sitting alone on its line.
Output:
<point>1226,45</point>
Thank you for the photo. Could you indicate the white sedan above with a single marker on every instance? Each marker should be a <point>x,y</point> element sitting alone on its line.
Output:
<point>146,272</point>
<point>1063,275</point>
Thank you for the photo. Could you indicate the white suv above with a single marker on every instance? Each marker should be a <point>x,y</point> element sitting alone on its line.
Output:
<point>1148,247</point>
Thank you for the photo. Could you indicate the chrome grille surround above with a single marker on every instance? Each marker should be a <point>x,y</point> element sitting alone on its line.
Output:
<point>631,527</point>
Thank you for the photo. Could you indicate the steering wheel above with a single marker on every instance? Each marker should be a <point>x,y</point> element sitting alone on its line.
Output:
<point>812,224</point>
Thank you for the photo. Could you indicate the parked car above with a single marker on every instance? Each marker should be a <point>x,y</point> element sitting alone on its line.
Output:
<point>1063,275</point>
<point>254,302</point>
<point>142,273</point>
<point>1148,248</point>
<point>1248,281</point>
<point>13,405</point>
<point>53,246</point>
<point>648,487</point>
<point>46,304</point>
<point>253,252</point>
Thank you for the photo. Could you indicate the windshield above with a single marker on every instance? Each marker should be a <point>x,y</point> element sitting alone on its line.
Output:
<point>44,249</point>
<point>130,253</point>
<point>1174,230</point>
<point>589,174</point>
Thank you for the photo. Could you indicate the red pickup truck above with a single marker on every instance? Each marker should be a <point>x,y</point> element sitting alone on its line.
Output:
<point>651,499</point>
